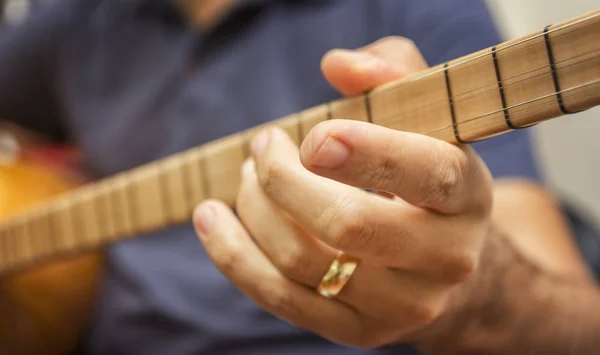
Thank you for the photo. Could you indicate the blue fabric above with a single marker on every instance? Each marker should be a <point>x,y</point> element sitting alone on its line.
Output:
<point>129,83</point>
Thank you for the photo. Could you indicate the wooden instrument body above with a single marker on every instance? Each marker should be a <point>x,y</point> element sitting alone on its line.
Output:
<point>45,308</point>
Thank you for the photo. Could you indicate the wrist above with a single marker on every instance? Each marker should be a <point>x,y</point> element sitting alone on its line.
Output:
<point>511,305</point>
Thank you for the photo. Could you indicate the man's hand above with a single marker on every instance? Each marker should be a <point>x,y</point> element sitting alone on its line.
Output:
<point>420,251</point>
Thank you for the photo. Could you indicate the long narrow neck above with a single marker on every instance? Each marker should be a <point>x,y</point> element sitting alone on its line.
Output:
<point>510,86</point>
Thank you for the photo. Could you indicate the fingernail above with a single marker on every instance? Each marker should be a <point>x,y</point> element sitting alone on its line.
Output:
<point>364,60</point>
<point>331,154</point>
<point>204,217</point>
<point>248,167</point>
<point>259,143</point>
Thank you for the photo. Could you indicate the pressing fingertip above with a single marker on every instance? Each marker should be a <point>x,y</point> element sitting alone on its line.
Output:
<point>360,60</point>
<point>324,149</point>
<point>204,218</point>
<point>266,136</point>
<point>248,167</point>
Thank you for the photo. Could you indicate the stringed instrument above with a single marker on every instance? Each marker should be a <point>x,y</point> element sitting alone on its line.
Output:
<point>51,252</point>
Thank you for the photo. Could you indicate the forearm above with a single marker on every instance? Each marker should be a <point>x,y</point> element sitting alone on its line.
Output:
<point>520,302</point>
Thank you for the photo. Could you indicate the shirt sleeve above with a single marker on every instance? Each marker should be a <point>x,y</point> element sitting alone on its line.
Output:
<point>445,30</point>
<point>28,57</point>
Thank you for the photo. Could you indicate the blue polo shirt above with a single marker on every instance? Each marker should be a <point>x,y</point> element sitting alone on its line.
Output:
<point>129,83</point>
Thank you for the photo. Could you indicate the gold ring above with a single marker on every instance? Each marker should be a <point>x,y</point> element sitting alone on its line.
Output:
<point>338,274</point>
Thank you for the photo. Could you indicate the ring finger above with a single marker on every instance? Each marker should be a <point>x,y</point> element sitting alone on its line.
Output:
<point>376,291</point>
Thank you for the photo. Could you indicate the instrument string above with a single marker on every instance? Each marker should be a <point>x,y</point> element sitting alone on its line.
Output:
<point>499,50</point>
<point>411,114</point>
<point>526,110</point>
<point>493,87</point>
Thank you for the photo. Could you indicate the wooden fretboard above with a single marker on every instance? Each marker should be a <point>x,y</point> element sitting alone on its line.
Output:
<point>510,86</point>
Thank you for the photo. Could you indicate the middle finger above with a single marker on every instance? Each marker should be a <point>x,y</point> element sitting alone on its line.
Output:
<point>346,218</point>
<point>375,291</point>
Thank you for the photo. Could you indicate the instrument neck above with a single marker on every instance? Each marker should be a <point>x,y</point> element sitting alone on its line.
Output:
<point>513,85</point>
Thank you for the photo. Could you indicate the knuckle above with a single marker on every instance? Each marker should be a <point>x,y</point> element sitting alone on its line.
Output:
<point>425,313</point>
<point>459,268</point>
<point>399,42</point>
<point>385,174</point>
<point>229,261</point>
<point>366,339</point>
<point>272,178</point>
<point>278,299</point>
<point>347,226</point>
<point>446,179</point>
<point>294,263</point>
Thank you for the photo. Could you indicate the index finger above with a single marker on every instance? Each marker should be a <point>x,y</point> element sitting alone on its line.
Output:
<point>423,171</point>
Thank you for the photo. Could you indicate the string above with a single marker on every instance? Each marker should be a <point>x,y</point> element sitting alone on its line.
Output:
<point>418,110</point>
<point>485,54</point>
<point>526,109</point>
<point>493,87</point>
<point>526,112</point>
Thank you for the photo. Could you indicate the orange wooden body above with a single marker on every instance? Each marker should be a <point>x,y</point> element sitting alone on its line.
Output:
<point>43,309</point>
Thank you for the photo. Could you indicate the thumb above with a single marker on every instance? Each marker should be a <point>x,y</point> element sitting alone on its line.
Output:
<point>354,72</point>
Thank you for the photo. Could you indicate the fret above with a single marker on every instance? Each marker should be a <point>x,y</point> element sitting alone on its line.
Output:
<point>576,62</point>
<point>526,78</point>
<point>81,230</point>
<point>246,144</point>
<point>290,125</point>
<point>174,188</point>
<point>473,88</point>
<point>115,208</point>
<point>47,230</point>
<point>251,133</point>
<point>451,105</point>
<point>43,230</point>
<point>130,194</point>
<point>113,219</point>
<point>85,211</point>
<point>146,200</point>
<point>300,128</point>
<point>224,179</point>
<point>29,238</point>
<point>552,64</point>
<point>418,107</point>
<point>350,109</point>
<point>313,116</point>
<point>196,181</point>
<point>501,90</point>
<point>35,233</point>
<point>66,226</point>
<point>23,252</point>
<point>52,230</point>
<point>102,208</point>
<point>367,99</point>
<point>54,235</point>
<point>120,204</point>
<point>165,195</point>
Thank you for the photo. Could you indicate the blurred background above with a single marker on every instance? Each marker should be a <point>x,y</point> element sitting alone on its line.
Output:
<point>567,147</point>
